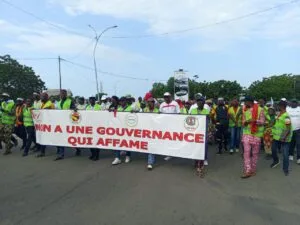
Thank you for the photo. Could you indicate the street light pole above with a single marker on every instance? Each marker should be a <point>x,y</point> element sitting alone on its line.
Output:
<point>97,37</point>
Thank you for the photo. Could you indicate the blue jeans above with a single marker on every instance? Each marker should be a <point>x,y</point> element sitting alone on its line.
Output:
<point>235,137</point>
<point>285,150</point>
<point>295,142</point>
<point>151,159</point>
<point>61,152</point>
<point>118,154</point>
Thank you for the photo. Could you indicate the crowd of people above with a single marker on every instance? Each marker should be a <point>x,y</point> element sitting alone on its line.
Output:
<point>247,125</point>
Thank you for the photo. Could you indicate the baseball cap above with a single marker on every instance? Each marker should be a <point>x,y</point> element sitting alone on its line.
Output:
<point>104,97</point>
<point>20,99</point>
<point>5,94</point>
<point>167,94</point>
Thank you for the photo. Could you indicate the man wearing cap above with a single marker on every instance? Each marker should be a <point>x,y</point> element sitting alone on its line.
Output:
<point>8,121</point>
<point>200,110</point>
<point>65,103</point>
<point>282,136</point>
<point>150,108</point>
<point>104,103</point>
<point>235,123</point>
<point>221,120</point>
<point>125,106</point>
<point>28,124</point>
<point>46,105</point>
<point>195,106</point>
<point>253,121</point>
<point>37,103</point>
<point>19,126</point>
<point>81,104</point>
<point>93,106</point>
<point>169,106</point>
<point>294,112</point>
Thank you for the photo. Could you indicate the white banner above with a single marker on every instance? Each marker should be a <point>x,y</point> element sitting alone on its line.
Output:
<point>163,134</point>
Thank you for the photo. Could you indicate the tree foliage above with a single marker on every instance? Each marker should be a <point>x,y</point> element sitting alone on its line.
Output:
<point>277,87</point>
<point>18,80</point>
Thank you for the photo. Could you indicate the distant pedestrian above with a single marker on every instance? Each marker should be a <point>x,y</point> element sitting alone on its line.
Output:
<point>282,136</point>
<point>235,123</point>
<point>253,128</point>
<point>294,113</point>
<point>29,126</point>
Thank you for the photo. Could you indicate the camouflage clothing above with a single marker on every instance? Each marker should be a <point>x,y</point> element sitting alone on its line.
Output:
<point>6,131</point>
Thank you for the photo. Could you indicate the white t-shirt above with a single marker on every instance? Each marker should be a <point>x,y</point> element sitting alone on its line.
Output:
<point>196,106</point>
<point>171,108</point>
<point>294,114</point>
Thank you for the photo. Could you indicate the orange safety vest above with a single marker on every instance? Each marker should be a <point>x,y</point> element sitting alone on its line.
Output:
<point>19,112</point>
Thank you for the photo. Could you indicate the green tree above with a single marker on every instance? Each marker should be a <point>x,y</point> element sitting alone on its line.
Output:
<point>158,90</point>
<point>18,80</point>
<point>277,87</point>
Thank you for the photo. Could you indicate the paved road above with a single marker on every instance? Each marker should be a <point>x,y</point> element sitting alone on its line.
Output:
<point>76,191</point>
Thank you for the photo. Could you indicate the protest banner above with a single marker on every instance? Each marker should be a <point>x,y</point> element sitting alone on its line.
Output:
<point>163,134</point>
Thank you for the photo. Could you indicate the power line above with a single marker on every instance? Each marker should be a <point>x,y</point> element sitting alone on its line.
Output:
<point>43,20</point>
<point>104,72</point>
<point>155,35</point>
<point>210,24</point>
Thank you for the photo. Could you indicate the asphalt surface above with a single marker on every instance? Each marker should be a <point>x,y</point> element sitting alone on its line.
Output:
<point>77,191</point>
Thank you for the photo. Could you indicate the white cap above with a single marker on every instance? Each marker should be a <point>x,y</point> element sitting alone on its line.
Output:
<point>20,99</point>
<point>104,97</point>
<point>283,99</point>
<point>5,94</point>
<point>167,94</point>
<point>220,99</point>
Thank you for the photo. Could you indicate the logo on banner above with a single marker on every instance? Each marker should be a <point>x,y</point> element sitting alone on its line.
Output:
<point>36,116</point>
<point>191,123</point>
<point>131,120</point>
<point>75,117</point>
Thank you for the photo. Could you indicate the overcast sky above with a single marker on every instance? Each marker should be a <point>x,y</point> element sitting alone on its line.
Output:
<point>244,50</point>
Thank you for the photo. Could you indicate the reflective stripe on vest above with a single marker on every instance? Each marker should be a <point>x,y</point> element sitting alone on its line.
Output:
<point>280,127</point>
<point>96,107</point>
<point>7,117</point>
<point>66,105</point>
<point>247,129</point>
<point>27,117</point>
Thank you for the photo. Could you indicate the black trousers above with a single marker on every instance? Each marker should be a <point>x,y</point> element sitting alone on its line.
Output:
<point>222,135</point>
<point>30,132</point>
<point>20,131</point>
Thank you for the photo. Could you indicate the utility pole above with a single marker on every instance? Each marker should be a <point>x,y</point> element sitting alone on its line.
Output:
<point>59,72</point>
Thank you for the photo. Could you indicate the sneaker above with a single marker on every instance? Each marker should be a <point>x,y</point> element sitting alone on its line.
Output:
<point>231,151</point>
<point>274,164</point>
<point>298,161</point>
<point>237,150</point>
<point>205,163</point>
<point>149,167</point>
<point>127,159</point>
<point>167,158</point>
<point>116,161</point>
<point>291,158</point>
<point>58,158</point>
